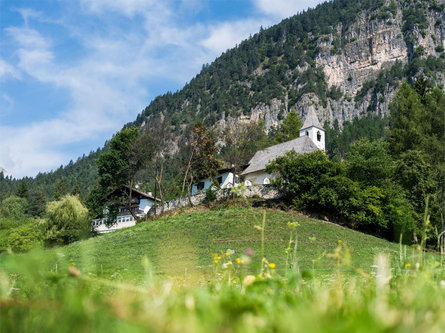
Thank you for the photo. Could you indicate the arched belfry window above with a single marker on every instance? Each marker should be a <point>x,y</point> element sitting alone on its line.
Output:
<point>318,136</point>
<point>307,133</point>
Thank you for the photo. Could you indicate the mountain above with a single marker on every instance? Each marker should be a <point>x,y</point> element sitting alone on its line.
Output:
<point>344,59</point>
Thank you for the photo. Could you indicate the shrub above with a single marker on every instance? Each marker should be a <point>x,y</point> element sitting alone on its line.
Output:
<point>25,237</point>
<point>210,195</point>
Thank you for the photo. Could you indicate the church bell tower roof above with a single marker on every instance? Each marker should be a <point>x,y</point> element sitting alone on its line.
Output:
<point>311,120</point>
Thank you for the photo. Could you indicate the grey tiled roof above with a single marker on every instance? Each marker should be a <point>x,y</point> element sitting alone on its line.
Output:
<point>301,145</point>
<point>311,120</point>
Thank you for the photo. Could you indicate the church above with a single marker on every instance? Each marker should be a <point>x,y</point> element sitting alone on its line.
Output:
<point>312,138</point>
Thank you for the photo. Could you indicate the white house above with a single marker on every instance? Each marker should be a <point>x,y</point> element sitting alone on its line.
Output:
<point>140,204</point>
<point>224,179</point>
<point>312,138</point>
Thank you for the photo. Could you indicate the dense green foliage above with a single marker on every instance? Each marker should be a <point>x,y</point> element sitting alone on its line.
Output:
<point>338,142</point>
<point>313,183</point>
<point>417,143</point>
<point>25,237</point>
<point>14,208</point>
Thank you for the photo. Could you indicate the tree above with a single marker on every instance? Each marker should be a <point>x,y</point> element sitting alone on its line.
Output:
<point>289,128</point>
<point>242,141</point>
<point>417,143</point>
<point>300,174</point>
<point>202,148</point>
<point>76,190</point>
<point>67,221</point>
<point>22,190</point>
<point>14,208</point>
<point>155,143</point>
<point>37,204</point>
<point>369,162</point>
<point>118,167</point>
<point>60,189</point>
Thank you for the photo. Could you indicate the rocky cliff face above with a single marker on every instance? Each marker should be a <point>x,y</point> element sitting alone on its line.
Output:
<point>370,46</point>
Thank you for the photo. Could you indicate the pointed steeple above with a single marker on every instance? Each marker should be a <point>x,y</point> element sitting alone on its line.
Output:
<point>311,120</point>
<point>312,128</point>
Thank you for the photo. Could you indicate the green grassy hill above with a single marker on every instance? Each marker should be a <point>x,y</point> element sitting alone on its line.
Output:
<point>184,243</point>
<point>115,290</point>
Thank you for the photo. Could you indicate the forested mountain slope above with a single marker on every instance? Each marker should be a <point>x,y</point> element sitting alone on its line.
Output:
<point>345,59</point>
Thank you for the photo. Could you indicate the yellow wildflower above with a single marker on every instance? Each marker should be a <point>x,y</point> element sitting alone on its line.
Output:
<point>238,260</point>
<point>229,262</point>
<point>272,265</point>
<point>339,241</point>
<point>234,281</point>
<point>218,258</point>
<point>227,254</point>
<point>408,265</point>
<point>216,261</point>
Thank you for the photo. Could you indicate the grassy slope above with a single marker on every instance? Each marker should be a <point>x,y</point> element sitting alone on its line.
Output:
<point>186,241</point>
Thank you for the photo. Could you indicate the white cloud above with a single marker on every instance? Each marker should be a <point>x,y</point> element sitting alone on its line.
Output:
<point>8,70</point>
<point>28,13</point>
<point>226,35</point>
<point>284,8</point>
<point>103,88</point>
<point>127,7</point>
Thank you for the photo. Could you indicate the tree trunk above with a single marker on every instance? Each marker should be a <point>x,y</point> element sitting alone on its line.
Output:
<point>159,182</point>
<point>443,235</point>
<point>130,198</point>
<point>190,190</point>
<point>186,174</point>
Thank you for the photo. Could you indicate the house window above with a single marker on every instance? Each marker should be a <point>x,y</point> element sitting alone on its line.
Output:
<point>307,133</point>
<point>200,186</point>
<point>219,180</point>
<point>318,136</point>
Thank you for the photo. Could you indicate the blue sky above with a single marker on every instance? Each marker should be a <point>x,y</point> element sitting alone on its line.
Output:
<point>73,72</point>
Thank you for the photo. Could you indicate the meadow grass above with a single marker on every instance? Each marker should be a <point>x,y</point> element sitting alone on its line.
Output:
<point>191,273</point>
<point>184,242</point>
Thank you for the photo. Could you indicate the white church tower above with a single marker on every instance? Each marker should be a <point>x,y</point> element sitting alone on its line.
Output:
<point>313,129</point>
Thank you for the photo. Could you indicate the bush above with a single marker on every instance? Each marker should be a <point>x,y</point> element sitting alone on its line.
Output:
<point>210,195</point>
<point>67,221</point>
<point>25,237</point>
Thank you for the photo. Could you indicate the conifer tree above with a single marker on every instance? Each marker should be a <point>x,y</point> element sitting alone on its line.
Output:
<point>289,128</point>
<point>22,190</point>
